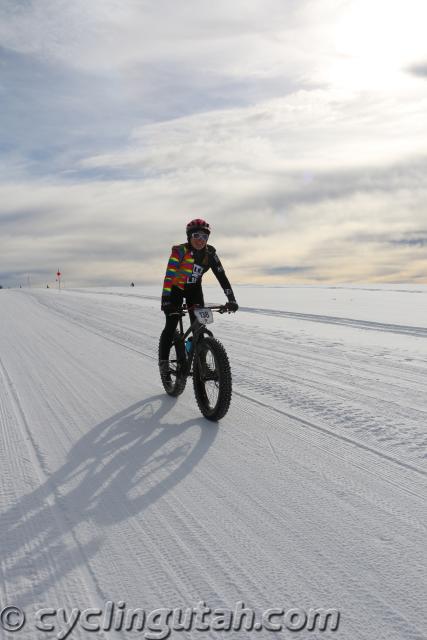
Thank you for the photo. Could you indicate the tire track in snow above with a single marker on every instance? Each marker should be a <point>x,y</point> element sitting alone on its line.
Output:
<point>313,382</point>
<point>52,498</point>
<point>95,332</point>
<point>419,332</point>
<point>324,429</point>
<point>368,325</point>
<point>294,542</point>
<point>343,407</point>
<point>380,400</point>
<point>290,415</point>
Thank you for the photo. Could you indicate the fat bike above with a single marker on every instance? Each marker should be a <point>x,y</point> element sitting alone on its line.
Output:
<point>198,354</point>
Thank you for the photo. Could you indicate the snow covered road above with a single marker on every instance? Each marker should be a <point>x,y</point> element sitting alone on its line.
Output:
<point>310,493</point>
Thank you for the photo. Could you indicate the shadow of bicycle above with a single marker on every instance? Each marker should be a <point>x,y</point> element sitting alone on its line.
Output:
<point>114,472</point>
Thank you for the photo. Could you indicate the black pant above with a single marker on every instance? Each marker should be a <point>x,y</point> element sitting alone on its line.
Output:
<point>192,295</point>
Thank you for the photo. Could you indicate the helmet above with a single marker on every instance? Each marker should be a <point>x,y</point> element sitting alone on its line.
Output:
<point>197,225</point>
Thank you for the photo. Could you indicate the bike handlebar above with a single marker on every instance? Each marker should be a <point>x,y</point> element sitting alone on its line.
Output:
<point>221,308</point>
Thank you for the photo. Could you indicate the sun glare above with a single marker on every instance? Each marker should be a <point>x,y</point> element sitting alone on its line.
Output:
<point>375,42</point>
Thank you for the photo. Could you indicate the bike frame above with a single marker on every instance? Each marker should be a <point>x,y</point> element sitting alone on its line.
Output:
<point>197,329</point>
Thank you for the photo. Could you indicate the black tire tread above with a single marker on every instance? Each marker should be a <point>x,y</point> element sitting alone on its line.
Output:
<point>178,387</point>
<point>225,391</point>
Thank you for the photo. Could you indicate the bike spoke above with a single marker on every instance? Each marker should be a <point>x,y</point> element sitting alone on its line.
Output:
<point>209,376</point>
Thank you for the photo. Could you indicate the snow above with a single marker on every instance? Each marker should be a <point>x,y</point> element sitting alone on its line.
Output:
<point>309,493</point>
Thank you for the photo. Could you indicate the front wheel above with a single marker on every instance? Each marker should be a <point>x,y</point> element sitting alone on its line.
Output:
<point>212,378</point>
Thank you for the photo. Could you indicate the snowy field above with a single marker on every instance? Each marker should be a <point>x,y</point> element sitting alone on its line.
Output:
<point>309,494</point>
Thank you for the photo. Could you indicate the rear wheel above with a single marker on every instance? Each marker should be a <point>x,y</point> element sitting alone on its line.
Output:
<point>171,372</point>
<point>212,378</point>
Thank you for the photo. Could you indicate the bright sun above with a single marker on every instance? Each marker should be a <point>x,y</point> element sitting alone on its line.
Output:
<point>376,41</point>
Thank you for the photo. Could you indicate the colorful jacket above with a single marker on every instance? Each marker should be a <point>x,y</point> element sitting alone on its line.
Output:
<point>186,267</point>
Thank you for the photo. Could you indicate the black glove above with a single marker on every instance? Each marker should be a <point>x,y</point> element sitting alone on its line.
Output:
<point>232,306</point>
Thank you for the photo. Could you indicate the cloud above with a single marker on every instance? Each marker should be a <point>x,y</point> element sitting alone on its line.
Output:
<point>356,225</point>
<point>286,269</point>
<point>282,122</point>
<point>419,70</point>
<point>308,130</point>
<point>106,35</point>
<point>411,242</point>
<point>77,78</point>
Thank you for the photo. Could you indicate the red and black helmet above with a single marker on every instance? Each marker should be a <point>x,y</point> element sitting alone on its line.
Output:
<point>197,225</point>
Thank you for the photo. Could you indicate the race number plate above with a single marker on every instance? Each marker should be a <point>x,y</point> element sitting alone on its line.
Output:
<point>204,316</point>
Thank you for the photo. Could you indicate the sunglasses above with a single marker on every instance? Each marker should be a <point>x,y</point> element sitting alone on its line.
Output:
<point>198,235</point>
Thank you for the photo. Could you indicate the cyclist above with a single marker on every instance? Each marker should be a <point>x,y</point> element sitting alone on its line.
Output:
<point>187,264</point>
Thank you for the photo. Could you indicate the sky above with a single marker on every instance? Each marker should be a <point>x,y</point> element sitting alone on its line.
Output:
<point>297,128</point>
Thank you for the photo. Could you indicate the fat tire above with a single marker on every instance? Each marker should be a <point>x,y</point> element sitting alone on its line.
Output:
<point>222,366</point>
<point>175,385</point>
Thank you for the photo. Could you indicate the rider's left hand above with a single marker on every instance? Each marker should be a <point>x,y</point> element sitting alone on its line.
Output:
<point>232,306</point>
